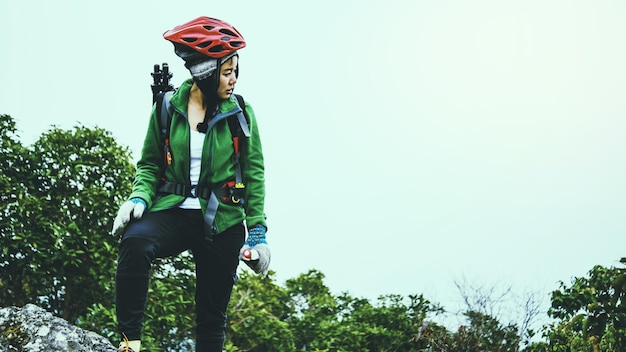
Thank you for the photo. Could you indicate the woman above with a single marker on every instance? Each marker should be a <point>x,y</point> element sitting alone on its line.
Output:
<point>201,194</point>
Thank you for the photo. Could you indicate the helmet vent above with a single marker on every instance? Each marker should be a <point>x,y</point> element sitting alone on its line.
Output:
<point>209,28</point>
<point>228,32</point>
<point>204,45</point>
<point>189,40</point>
<point>217,49</point>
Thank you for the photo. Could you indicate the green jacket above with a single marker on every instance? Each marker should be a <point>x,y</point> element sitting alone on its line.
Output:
<point>217,165</point>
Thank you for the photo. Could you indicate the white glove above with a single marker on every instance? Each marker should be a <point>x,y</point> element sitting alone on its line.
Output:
<point>136,206</point>
<point>257,258</point>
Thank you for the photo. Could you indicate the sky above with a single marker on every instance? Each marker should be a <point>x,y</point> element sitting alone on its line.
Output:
<point>408,144</point>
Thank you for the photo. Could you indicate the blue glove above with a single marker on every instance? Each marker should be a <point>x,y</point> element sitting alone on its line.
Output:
<point>256,235</point>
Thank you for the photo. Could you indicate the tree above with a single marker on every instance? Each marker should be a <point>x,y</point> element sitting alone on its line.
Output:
<point>18,276</point>
<point>392,323</point>
<point>312,308</point>
<point>484,303</point>
<point>257,316</point>
<point>321,321</point>
<point>57,252</point>
<point>590,313</point>
<point>485,333</point>
<point>61,255</point>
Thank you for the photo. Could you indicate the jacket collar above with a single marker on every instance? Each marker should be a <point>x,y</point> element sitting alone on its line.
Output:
<point>180,98</point>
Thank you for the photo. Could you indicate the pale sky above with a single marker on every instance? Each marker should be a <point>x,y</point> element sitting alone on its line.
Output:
<point>408,144</point>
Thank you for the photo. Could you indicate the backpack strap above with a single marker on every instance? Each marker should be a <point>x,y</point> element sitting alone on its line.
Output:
<point>242,117</point>
<point>238,125</point>
<point>164,112</point>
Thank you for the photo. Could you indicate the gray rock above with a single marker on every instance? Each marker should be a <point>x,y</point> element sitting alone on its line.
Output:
<point>32,329</point>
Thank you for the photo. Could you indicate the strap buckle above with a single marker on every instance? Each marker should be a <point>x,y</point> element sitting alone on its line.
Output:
<point>235,192</point>
<point>193,191</point>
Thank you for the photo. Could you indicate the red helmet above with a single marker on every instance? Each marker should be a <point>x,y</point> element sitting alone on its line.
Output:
<point>209,36</point>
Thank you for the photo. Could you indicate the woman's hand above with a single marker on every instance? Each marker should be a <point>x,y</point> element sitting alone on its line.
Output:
<point>136,206</point>
<point>255,251</point>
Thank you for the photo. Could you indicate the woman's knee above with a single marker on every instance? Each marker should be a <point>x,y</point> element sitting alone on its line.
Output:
<point>136,253</point>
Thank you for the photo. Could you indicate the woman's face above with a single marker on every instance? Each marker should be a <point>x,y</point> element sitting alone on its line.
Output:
<point>227,78</point>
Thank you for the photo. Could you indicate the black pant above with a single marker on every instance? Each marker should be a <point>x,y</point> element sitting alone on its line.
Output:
<point>169,233</point>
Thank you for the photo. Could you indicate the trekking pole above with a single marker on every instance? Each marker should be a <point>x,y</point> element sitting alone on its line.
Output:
<point>161,76</point>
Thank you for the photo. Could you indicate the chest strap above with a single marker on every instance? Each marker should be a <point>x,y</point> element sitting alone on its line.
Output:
<point>185,190</point>
<point>230,192</point>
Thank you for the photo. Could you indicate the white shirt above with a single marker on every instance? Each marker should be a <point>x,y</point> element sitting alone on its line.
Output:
<point>196,141</point>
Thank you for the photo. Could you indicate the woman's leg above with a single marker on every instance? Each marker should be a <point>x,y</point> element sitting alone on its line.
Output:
<point>155,235</point>
<point>216,270</point>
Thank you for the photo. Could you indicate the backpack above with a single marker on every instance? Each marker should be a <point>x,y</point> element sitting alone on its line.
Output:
<point>231,191</point>
<point>162,92</point>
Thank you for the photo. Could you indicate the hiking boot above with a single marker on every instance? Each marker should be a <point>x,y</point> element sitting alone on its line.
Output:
<point>129,346</point>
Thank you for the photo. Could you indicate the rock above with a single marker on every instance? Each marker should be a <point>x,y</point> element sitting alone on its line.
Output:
<point>32,329</point>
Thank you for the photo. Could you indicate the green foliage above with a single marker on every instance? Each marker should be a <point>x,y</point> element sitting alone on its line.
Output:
<point>590,313</point>
<point>313,308</point>
<point>485,333</point>
<point>257,316</point>
<point>62,193</point>
<point>16,163</point>
<point>321,321</point>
